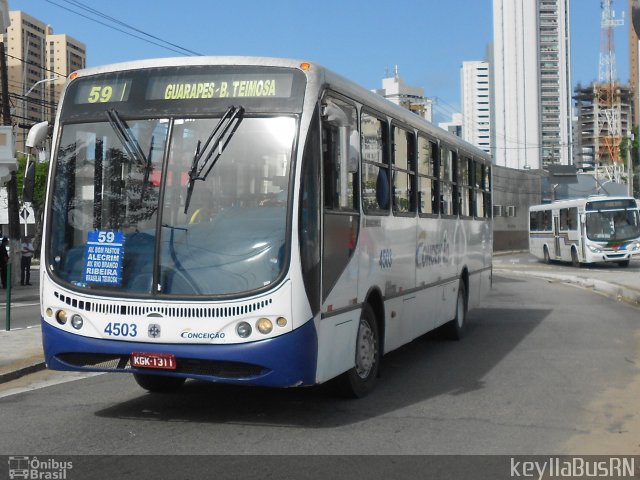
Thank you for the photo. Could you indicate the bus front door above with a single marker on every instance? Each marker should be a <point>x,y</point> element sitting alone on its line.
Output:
<point>556,235</point>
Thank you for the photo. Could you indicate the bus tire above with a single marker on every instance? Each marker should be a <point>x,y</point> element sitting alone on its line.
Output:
<point>575,262</point>
<point>360,380</point>
<point>158,383</point>
<point>454,329</point>
<point>623,263</point>
<point>545,254</point>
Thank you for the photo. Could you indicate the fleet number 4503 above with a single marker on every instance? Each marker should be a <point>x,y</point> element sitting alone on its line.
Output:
<point>116,329</point>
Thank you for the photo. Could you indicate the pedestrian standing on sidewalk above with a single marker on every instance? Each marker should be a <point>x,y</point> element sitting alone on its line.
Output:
<point>25,261</point>
<point>4,261</point>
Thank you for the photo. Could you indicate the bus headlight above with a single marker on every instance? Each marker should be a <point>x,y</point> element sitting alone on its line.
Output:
<point>281,321</point>
<point>264,326</point>
<point>243,329</point>
<point>594,249</point>
<point>76,321</point>
<point>61,317</point>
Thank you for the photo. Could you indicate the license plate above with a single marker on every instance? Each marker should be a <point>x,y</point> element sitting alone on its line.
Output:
<point>164,361</point>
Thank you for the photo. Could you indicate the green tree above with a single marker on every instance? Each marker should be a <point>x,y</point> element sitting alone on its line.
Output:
<point>42,169</point>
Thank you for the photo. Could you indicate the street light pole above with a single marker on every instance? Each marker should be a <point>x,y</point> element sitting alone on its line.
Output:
<point>25,114</point>
<point>38,83</point>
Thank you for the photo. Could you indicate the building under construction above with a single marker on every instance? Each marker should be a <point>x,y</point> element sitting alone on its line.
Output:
<point>605,117</point>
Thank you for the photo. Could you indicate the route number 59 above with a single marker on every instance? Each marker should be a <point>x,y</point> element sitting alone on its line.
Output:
<point>100,94</point>
<point>106,237</point>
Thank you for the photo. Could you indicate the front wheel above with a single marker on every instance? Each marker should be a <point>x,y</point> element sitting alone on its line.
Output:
<point>575,261</point>
<point>360,380</point>
<point>623,263</point>
<point>545,254</point>
<point>454,330</point>
<point>158,383</point>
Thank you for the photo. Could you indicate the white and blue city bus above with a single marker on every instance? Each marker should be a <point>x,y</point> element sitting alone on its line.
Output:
<point>253,221</point>
<point>595,229</point>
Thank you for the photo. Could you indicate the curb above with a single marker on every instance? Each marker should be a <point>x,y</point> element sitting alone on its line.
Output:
<point>613,290</point>
<point>21,372</point>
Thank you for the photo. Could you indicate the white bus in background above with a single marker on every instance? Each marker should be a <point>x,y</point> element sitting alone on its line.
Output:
<point>253,221</point>
<point>586,230</point>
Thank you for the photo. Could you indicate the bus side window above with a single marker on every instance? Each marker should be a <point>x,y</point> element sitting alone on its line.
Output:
<point>573,218</point>
<point>427,176</point>
<point>375,166</point>
<point>340,154</point>
<point>447,182</point>
<point>533,221</point>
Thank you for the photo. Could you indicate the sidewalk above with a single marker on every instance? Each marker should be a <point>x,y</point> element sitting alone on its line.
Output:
<point>611,280</point>
<point>21,349</point>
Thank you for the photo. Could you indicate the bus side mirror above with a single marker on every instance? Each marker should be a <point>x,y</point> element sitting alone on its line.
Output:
<point>37,134</point>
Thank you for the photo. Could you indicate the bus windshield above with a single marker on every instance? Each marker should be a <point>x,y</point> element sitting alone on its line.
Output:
<point>613,225</point>
<point>119,219</point>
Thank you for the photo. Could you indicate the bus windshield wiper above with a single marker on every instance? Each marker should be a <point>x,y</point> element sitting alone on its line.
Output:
<point>129,142</point>
<point>215,144</point>
<point>131,145</point>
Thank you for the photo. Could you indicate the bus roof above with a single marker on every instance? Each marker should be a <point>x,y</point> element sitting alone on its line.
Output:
<point>574,202</point>
<point>316,74</point>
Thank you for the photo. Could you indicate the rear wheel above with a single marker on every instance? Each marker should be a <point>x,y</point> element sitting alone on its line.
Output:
<point>158,383</point>
<point>360,380</point>
<point>454,329</point>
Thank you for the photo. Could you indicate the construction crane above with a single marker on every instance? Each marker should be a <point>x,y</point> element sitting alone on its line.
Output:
<point>608,97</point>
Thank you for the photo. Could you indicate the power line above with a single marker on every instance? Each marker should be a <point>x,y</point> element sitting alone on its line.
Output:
<point>120,22</point>
<point>35,65</point>
<point>181,50</point>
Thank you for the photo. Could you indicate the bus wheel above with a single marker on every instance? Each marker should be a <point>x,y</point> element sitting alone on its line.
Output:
<point>574,258</point>
<point>545,253</point>
<point>158,383</point>
<point>623,263</point>
<point>454,329</point>
<point>361,379</point>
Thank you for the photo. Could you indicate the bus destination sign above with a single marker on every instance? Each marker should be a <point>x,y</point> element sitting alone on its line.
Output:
<point>103,257</point>
<point>103,91</point>
<point>180,87</point>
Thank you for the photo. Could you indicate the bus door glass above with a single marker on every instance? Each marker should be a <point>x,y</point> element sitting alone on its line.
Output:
<point>340,159</point>
<point>556,234</point>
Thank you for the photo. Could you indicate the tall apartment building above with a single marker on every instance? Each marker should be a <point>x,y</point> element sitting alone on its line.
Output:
<point>531,115</point>
<point>476,98</point>
<point>397,91</point>
<point>38,62</point>
<point>455,126</point>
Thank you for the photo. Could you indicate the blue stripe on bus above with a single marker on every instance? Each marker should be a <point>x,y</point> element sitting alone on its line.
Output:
<point>288,360</point>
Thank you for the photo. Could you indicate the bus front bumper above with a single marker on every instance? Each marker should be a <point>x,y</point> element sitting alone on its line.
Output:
<point>284,361</point>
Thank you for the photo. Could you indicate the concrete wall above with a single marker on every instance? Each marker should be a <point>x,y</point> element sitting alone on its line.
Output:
<point>513,192</point>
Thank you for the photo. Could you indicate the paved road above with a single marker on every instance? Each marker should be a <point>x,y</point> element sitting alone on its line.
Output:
<point>544,369</point>
<point>24,314</point>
